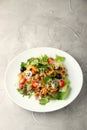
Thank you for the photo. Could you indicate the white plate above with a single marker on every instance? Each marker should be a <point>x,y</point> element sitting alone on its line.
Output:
<point>75,76</point>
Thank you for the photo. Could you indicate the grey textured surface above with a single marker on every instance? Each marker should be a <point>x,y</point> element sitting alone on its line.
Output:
<point>32,23</point>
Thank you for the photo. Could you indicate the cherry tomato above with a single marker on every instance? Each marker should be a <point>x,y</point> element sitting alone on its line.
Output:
<point>34,83</point>
<point>22,80</point>
<point>50,60</point>
<point>61,83</point>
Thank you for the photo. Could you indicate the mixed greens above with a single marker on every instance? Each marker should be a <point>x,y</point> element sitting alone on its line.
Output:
<point>45,77</point>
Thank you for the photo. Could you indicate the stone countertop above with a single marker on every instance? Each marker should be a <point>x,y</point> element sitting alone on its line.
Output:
<point>33,23</point>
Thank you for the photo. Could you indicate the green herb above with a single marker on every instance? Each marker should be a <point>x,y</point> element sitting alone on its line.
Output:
<point>47,78</point>
<point>42,67</point>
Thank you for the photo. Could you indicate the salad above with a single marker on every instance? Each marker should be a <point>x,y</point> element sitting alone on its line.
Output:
<point>44,77</point>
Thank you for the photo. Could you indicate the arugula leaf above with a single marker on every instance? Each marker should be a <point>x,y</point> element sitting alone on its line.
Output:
<point>23,91</point>
<point>42,67</point>
<point>29,93</point>
<point>20,90</point>
<point>59,58</point>
<point>44,100</point>
<point>47,78</point>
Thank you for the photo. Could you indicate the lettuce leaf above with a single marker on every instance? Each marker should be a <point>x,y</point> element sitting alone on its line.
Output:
<point>43,58</point>
<point>59,58</point>
<point>33,61</point>
<point>66,80</point>
<point>44,100</point>
<point>61,94</point>
<point>23,64</point>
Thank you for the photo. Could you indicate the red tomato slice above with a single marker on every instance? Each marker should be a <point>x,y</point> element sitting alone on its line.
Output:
<point>50,60</point>
<point>61,83</point>
<point>34,83</point>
